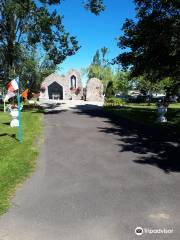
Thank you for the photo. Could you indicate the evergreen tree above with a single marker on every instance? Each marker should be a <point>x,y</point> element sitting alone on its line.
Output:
<point>96,59</point>
<point>109,90</point>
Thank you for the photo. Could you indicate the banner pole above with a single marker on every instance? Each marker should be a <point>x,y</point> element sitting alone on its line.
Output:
<point>19,119</point>
<point>4,100</point>
<point>4,106</point>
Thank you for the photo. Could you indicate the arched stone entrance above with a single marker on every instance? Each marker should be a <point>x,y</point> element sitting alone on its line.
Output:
<point>55,91</point>
<point>73,82</point>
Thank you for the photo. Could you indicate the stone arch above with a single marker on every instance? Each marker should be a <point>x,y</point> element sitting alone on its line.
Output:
<point>55,91</point>
<point>73,81</point>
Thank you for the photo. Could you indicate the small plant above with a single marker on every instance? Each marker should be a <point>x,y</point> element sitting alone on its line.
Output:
<point>43,89</point>
<point>75,90</point>
<point>78,90</point>
<point>114,102</point>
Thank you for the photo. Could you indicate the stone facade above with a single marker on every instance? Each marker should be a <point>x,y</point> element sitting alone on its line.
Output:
<point>57,86</point>
<point>94,90</point>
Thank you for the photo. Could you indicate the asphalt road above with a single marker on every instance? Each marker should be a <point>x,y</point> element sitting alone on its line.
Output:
<point>97,180</point>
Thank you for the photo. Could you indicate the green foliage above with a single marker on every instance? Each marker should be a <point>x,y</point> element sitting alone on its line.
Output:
<point>121,82</point>
<point>35,70</point>
<point>113,102</point>
<point>107,75</point>
<point>104,74</point>
<point>95,6</point>
<point>29,23</point>
<point>94,71</point>
<point>32,70</point>
<point>99,58</point>
<point>148,87</point>
<point>110,90</point>
<point>99,68</point>
<point>153,42</point>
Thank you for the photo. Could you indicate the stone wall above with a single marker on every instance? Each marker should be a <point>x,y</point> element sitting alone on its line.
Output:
<point>94,90</point>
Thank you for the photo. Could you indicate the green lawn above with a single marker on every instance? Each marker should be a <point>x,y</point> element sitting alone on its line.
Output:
<point>147,115</point>
<point>17,160</point>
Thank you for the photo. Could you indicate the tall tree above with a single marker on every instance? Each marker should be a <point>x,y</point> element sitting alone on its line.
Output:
<point>96,59</point>
<point>104,51</point>
<point>34,70</point>
<point>151,42</point>
<point>109,90</point>
<point>147,87</point>
<point>30,22</point>
<point>100,70</point>
<point>121,82</point>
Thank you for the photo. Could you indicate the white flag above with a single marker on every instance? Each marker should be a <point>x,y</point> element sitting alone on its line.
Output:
<point>9,95</point>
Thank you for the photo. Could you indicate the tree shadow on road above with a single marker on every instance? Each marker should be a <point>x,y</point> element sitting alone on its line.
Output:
<point>54,111</point>
<point>9,135</point>
<point>153,148</point>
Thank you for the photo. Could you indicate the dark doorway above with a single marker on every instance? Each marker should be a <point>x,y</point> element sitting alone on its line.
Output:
<point>55,91</point>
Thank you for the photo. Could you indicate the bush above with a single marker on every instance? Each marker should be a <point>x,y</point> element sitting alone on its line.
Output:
<point>109,90</point>
<point>114,102</point>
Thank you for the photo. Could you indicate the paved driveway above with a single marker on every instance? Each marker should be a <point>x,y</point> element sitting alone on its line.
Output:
<point>97,180</point>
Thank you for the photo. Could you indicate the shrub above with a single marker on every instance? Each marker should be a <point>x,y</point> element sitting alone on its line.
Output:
<point>78,90</point>
<point>114,102</point>
<point>109,90</point>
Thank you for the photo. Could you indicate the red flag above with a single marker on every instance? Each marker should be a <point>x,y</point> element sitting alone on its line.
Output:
<point>13,85</point>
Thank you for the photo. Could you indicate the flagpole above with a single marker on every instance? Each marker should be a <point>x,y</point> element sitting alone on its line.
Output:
<point>4,106</point>
<point>19,117</point>
<point>4,101</point>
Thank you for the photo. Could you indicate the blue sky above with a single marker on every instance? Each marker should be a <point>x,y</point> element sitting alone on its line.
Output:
<point>94,32</point>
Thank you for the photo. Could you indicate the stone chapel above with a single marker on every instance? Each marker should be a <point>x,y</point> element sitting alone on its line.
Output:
<point>60,87</point>
<point>69,87</point>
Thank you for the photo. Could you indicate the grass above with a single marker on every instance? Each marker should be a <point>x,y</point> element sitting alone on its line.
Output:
<point>17,161</point>
<point>147,115</point>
